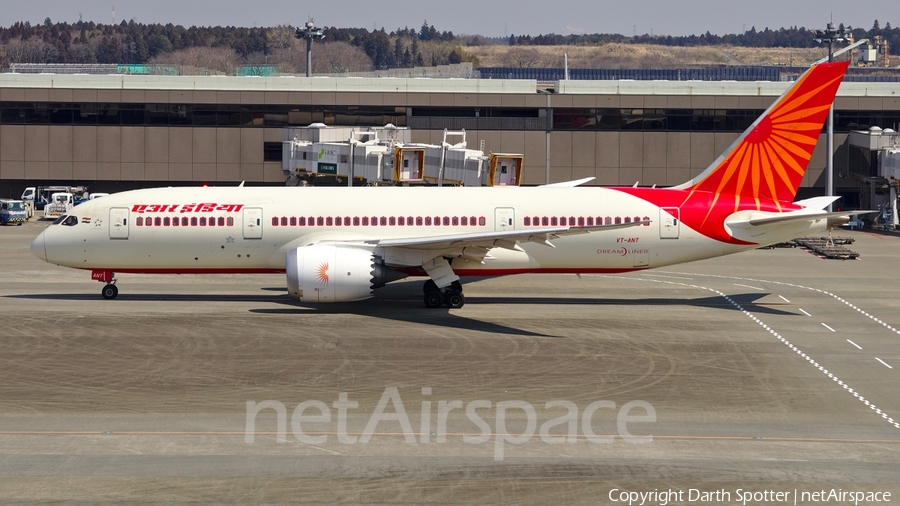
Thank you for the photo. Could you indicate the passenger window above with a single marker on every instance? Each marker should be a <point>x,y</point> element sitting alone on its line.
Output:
<point>392,221</point>
<point>356,221</point>
<point>446,221</point>
<point>203,222</point>
<point>320,221</point>
<point>545,221</point>
<point>274,221</point>
<point>401,221</point>
<point>553,221</point>
<point>527,221</point>
<point>627,219</point>
<point>139,222</point>
<point>230,221</point>
<point>212,222</point>
<point>481,221</point>
<point>428,221</point>
<point>301,221</point>
<point>221,221</point>
<point>346,221</point>
<point>647,219</point>
<point>409,221</point>
<point>166,222</point>
<point>176,222</point>
<point>293,221</point>
<point>311,221</point>
<point>590,221</point>
<point>383,221</point>
<point>471,221</point>
<point>618,220</point>
<point>419,221</point>
<point>608,220</point>
<point>365,221</point>
<point>637,218</point>
<point>465,221</point>
<point>338,221</point>
<point>157,221</point>
<point>329,221</point>
<point>193,222</point>
<point>581,221</point>
<point>455,221</point>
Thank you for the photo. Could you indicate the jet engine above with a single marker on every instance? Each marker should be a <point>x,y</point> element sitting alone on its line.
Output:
<point>329,273</point>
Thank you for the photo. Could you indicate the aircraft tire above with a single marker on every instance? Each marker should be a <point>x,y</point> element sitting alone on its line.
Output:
<point>429,287</point>
<point>455,299</point>
<point>109,292</point>
<point>433,300</point>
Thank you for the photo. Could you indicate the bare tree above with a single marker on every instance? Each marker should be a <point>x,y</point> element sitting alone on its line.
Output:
<point>521,57</point>
<point>280,37</point>
<point>33,50</point>
<point>201,60</point>
<point>328,58</point>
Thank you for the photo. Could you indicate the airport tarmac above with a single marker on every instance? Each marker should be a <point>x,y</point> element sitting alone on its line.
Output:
<point>768,371</point>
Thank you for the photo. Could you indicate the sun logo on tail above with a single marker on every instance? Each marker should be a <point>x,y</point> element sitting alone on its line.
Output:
<point>322,273</point>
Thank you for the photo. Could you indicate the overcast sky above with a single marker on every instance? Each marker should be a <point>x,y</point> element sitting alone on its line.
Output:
<point>485,17</point>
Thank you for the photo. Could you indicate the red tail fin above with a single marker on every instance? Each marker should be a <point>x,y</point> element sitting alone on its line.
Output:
<point>768,160</point>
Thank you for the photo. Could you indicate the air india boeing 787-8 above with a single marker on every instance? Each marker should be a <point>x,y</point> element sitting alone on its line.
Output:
<point>339,244</point>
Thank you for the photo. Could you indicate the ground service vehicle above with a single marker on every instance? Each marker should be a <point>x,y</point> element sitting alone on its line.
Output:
<point>12,211</point>
<point>60,204</point>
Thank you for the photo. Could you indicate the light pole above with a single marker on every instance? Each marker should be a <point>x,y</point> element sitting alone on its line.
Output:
<point>309,32</point>
<point>829,36</point>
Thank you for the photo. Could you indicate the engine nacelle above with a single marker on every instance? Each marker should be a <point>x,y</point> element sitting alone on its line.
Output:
<point>328,273</point>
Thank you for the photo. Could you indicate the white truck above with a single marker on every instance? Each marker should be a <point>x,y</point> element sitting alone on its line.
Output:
<point>60,204</point>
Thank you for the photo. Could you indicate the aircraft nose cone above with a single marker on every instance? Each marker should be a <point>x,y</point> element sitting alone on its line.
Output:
<point>38,247</point>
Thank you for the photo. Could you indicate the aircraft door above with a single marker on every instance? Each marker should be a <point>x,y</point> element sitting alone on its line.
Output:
<point>669,222</point>
<point>253,223</point>
<point>118,223</point>
<point>504,218</point>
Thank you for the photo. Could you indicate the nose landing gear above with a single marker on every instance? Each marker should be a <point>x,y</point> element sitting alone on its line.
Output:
<point>451,295</point>
<point>109,290</point>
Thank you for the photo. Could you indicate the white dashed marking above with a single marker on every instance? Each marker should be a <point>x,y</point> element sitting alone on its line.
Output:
<point>829,328</point>
<point>804,312</point>
<point>854,344</point>
<point>782,298</point>
<point>780,338</point>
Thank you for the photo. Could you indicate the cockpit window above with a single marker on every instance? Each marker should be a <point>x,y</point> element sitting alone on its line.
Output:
<point>70,221</point>
<point>59,220</point>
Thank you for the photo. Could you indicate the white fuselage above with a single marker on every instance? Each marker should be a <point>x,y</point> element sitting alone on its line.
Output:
<point>255,226</point>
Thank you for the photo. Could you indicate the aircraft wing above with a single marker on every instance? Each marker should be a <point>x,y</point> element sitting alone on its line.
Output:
<point>568,184</point>
<point>496,239</point>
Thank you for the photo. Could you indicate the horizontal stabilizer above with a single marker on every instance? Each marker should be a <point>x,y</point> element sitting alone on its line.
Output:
<point>793,217</point>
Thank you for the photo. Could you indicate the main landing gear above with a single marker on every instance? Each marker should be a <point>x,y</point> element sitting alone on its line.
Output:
<point>451,295</point>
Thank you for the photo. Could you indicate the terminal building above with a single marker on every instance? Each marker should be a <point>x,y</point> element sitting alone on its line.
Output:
<point>116,132</point>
